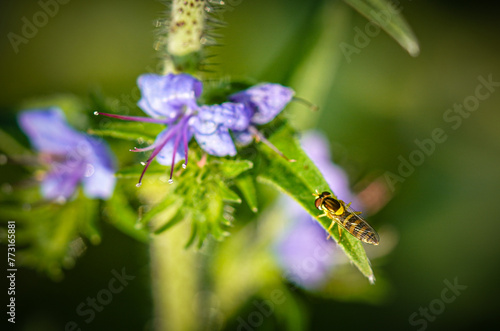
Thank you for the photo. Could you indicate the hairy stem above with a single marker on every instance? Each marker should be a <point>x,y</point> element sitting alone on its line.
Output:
<point>185,31</point>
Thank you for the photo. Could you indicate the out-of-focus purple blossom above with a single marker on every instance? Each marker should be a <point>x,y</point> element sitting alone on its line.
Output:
<point>73,157</point>
<point>172,100</point>
<point>303,252</point>
<point>316,146</point>
<point>263,102</point>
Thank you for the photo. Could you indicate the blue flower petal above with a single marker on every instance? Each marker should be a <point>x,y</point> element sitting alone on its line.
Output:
<point>48,130</point>
<point>75,156</point>
<point>240,119</point>
<point>233,116</point>
<point>303,252</point>
<point>264,101</point>
<point>61,181</point>
<point>218,143</point>
<point>166,96</point>
<point>243,138</point>
<point>99,177</point>
<point>211,127</point>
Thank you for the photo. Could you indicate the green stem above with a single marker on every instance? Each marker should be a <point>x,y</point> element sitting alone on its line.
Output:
<point>175,280</point>
<point>315,76</point>
<point>185,36</point>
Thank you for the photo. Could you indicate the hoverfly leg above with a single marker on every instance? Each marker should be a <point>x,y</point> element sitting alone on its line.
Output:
<point>340,232</point>
<point>322,215</point>
<point>329,229</point>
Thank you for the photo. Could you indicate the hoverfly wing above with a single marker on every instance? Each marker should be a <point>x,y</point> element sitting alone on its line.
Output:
<point>358,227</point>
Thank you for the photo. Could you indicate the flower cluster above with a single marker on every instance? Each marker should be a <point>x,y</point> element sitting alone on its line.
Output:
<point>72,157</point>
<point>172,100</point>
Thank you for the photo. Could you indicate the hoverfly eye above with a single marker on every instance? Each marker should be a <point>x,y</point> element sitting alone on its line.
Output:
<point>317,203</point>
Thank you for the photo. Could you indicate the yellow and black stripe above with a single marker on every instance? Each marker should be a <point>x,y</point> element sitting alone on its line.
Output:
<point>345,217</point>
<point>359,228</point>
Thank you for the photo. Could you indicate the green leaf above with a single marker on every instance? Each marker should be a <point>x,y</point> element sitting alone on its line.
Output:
<point>135,171</point>
<point>88,210</point>
<point>142,132</point>
<point>389,18</point>
<point>232,168</point>
<point>170,223</point>
<point>123,217</point>
<point>213,216</point>
<point>50,237</point>
<point>11,146</point>
<point>246,185</point>
<point>227,194</point>
<point>194,232</point>
<point>165,211</point>
<point>300,179</point>
<point>198,196</point>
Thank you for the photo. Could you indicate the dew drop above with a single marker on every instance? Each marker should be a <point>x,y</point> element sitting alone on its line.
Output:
<point>184,166</point>
<point>170,181</point>
<point>96,113</point>
<point>138,184</point>
<point>371,278</point>
<point>143,163</point>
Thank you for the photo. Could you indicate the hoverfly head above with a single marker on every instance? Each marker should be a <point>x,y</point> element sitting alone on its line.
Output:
<point>318,202</point>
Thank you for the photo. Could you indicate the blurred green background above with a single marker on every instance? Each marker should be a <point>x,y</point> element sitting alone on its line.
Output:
<point>445,215</point>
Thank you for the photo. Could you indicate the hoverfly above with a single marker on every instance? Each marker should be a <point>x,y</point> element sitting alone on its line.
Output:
<point>345,217</point>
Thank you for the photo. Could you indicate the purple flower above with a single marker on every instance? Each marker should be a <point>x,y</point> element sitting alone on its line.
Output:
<point>172,100</point>
<point>316,146</point>
<point>263,103</point>
<point>212,126</point>
<point>73,157</point>
<point>303,251</point>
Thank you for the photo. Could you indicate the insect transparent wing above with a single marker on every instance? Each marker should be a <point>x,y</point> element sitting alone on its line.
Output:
<point>358,227</point>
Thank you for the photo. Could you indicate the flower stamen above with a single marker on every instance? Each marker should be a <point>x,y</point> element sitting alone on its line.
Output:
<point>133,118</point>
<point>307,103</point>
<point>260,137</point>
<point>157,150</point>
<point>185,142</point>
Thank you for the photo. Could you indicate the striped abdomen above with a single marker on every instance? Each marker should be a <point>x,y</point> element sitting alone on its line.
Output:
<point>358,227</point>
